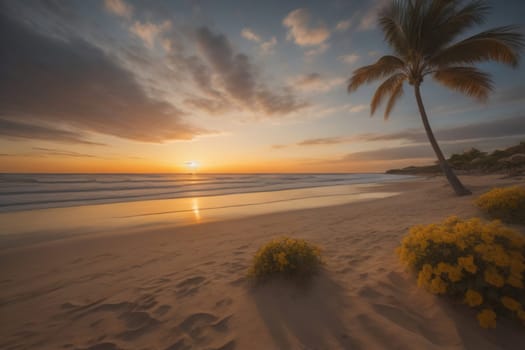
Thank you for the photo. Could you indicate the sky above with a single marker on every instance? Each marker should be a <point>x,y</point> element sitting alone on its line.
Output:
<point>228,86</point>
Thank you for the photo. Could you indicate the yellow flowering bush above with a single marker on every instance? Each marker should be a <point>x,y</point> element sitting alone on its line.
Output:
<point>288,257</point>
<point>506,204</point>
<point>481,264</point>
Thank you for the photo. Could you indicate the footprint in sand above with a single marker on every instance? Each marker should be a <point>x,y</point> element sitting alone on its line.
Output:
<point>103,346</point>
<point>137,323</point>
<point>189,286</point>
<point>162,310</point>
<point>203,330</point>
<point>224,302</point>
<point>146,301</point>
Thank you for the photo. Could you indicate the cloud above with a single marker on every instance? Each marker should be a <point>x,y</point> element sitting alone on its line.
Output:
<point>424,150</point>
<point>13,129</point>
<point>358,108</point>
<point>149,31</point>
<point>369,17</point>
<point>70,82</point>
<point>300,30</point>
<point>323,141</point>
<point>239,79</point>
<point>514,126</point>
<point>504,96</point>
<point>59,152</point>
<point>235,69</point>
<point>315,82</point>
<point>266,46</point>
<point>349,59</point>
<point>343,25</point>
<point>119,8</point>
<point>393,153</point>
<point>213,106</point>
<point>249,34</point>
<point>319,50</point>
<point>483,133</point>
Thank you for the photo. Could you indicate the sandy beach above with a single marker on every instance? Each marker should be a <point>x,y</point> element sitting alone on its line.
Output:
<point>185,287</point>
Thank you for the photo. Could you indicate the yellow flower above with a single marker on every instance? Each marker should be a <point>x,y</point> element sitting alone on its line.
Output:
<point>453,273</point>
<point>521,315</point>
<point>511,304</point>
<point>473,298</point>
<point>493,277</point>
<point>487,318</point>
<point>467,263</point>
<point>281,260</point>
<point>515,281</point>
<point>438,286</point>
<point>424,275</point>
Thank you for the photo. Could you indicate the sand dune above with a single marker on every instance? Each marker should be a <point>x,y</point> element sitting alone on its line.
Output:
<point>186,288</point>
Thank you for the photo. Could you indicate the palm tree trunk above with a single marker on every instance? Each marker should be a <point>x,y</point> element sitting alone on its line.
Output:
<point>447,170</point>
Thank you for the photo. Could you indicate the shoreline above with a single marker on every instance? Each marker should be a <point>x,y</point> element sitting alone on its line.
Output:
<point>181,211</point>
<point>186,286</point>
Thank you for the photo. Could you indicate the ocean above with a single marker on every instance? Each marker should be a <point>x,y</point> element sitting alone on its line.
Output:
<point>58,205</point>
<point>37,191</point>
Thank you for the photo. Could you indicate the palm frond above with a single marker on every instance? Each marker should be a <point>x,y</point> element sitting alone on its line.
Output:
<point>386,65</point>
<point>390,21</point>
<point>397,92</point>
<point>502,44</point>
<point>444,21</point>
<point>388,87</point>
<point>468,80</point>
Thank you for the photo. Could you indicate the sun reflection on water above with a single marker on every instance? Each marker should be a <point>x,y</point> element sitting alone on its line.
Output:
<point>195,208</point>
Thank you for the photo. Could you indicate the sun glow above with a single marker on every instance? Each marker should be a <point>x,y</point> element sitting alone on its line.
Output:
<point>192,165</point>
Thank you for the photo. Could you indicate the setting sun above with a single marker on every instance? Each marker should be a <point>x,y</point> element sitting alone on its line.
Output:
<point>192,165</point>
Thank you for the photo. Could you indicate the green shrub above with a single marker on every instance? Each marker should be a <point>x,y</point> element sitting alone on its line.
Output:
<point>506,204</point>
<point>287,257</point>
<point>480,264</point>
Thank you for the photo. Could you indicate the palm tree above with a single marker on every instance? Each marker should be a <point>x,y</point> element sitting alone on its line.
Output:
<point>424,37</point>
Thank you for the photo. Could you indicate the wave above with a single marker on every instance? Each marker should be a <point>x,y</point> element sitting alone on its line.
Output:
<point>34,191</point>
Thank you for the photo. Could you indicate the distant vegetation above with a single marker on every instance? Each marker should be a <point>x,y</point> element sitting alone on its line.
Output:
<point>509,161</point>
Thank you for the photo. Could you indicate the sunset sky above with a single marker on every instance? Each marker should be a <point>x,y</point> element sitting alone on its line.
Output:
<point>237,86</point>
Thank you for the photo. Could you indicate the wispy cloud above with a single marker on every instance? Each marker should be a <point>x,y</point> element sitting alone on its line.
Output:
<point>369,17</point>
<point>342,26</point>
<point>302,31</point>
<point>316,51</point>
<point>76,84</point>
<point>148,31</point>
<point>315,82</point>
<point>249,34</point>
<point>266,46</point>
<point>424,150</point>
<point>484,130</point>
<point>279,146</point>
<point>20,130</point>
<point>239,78</point>
<point>349,59</point>
<point>119,8</point>
<point>358,108</point>
<point>324,141</point>
<point>61,153</point>
<point>478,133</point>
